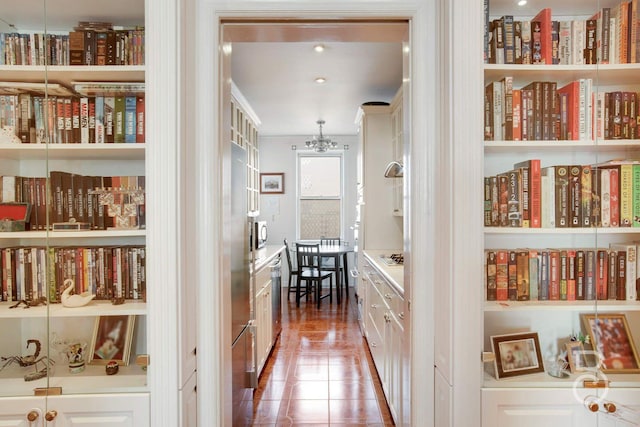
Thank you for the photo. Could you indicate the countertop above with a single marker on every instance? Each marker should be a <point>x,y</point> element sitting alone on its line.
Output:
<point>266,254</point>
<point>393,273</point>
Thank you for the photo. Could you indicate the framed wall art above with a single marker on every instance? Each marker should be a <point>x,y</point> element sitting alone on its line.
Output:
<point>517,354</point>
<point>612,341</point>
<point>272,183</point>
<point>576,356</point>
<point>112,337</point>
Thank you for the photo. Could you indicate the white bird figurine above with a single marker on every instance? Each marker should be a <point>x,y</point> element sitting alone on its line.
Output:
<point>77,300</point>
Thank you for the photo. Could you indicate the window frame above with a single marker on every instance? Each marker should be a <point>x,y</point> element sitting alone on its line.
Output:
<point>333,153</point>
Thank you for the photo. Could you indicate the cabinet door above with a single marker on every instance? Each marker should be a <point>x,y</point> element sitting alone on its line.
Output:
<point>394,342</point>
<point>121,410</point>
<point>22,411</point>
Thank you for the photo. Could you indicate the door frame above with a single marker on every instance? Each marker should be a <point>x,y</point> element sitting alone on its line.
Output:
<point>213,355</point>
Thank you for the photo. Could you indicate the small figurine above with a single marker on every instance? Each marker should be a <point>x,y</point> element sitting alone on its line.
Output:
<point>77,300</point>
<point>75,354</point>
<point>31,360</point>
<point>112,367</point>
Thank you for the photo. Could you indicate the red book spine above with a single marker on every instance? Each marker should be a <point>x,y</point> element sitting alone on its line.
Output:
<point>614,199</point>
<point>140,112</point>
<point>554,275</point>
<point>602,272</point>
<point>502,275</point>
<point>571,275</point>
<point>541,29</point>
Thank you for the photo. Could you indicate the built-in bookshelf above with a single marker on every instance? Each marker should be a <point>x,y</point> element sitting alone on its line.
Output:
<point>575,129</point>
<point>53,120</point>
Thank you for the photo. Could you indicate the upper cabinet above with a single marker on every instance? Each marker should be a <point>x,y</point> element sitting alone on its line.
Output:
<point>244,132</point>
<point>561,197</point>
<point>72,144</point>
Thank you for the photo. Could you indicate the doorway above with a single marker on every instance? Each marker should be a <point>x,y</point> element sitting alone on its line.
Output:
<point>274,37</point>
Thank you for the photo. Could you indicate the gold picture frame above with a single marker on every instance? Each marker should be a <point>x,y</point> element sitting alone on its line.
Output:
<point>612,341</point>
<point>112,338</point>
<point>517,354</point>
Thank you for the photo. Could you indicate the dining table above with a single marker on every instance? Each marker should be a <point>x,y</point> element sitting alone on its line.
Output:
<point>335,251</point>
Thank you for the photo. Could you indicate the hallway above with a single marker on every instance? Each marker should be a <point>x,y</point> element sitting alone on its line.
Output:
<point>320,372</point>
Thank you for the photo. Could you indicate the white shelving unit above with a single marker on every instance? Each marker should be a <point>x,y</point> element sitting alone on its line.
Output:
<point>540,398</point>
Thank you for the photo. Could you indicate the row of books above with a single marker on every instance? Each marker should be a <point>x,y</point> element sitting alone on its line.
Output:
<point>559,274</point>
<point>30,273</point>
<point>610,36</point>
<point>37,119</point>
<point>560,196</point>
<point>543,110</point>
<point>81,47</point>
<point>72,197</point>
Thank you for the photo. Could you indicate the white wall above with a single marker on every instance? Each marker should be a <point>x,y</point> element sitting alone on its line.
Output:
<point>279,210</point>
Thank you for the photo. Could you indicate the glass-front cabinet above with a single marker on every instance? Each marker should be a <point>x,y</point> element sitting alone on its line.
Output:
<point>561,213</point>
<point>73,311</point>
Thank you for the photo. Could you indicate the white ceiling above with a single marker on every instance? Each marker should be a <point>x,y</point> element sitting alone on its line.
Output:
<point>277,79</point>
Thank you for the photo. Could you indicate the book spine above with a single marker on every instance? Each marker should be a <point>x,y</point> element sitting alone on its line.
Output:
<point>507,108</point>
<point>514,203</point>
<point>543,293</point>
<point>589,275</point>
<point>84,120</point>
<point>534,274</point>
<point>554,275</point>
<point>562,196</point>
<point>564,275</point>
<point>626,195</point>
<point>602,274</point>
<point>491,278</point>
<point>586,196</point>
<point>580,275</point>
<point>130,119</point>
<point>512,272</point>
<point>109,129</point>
<point>502,275</point>
<point>571,274</point>
<point>140,119</point>
<point>605,197</point>
<point>118,113</point>
<point>614,196</point>
<point>613,274</point>
<point>522,276</point>
<point>621,283</point>
<point>575,196</point>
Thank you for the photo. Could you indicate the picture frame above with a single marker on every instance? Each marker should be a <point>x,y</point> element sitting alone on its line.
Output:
<point>112,338</point>
<point>517,354</point>
<point>272,183</point>
<point>612,342</point>
<point>576,356</point>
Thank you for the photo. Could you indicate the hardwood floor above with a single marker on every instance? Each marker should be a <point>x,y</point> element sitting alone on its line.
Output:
<point>320,372</point>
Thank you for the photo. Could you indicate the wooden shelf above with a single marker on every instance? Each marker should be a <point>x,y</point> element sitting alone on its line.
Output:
<point>562,231</point>
<point>65,74</point>
<point>600,146</point>
<point>38,235</point>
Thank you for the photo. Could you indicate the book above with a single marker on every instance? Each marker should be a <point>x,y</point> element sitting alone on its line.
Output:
<point>587,195</point>
<point>580,275</point>
<point>522,275</point>
<point>541,35</point>
<point>562,196</point>
<point>109,106</point>
<point>548,198</point>
<point>512,276</point>
<point>575,196</point>
<point>629,291</point>
<point>534,274</point>
<point>491,278</point>
<point>514,202</point>
<point>602,274</point>
<point>99,120</point>
<point>140,119</point>
<point>590,274</point>
<point>507,108</point>
<point>118,115</point>
<point>130,129</point>
<point>531,193</point>
<point>502,275</point>
<point>76,48</point>
<point>564,275</point>
<point>571,274</point>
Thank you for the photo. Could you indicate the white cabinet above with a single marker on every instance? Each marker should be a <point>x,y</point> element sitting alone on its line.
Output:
<point>385,335</point>
<point>397,142</point>
<point>122,410</point>
<point>263,317</point>
<point>560,407</point>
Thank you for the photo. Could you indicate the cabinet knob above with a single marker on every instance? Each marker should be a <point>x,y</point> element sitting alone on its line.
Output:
<point>610,407</point>
<point>51,415</point>
<point>32,415</point>
<point>374,305</point>
<point>401,315</point>
<point>592,406</point>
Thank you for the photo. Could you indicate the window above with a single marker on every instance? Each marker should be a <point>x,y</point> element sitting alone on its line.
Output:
<point>319,196</point>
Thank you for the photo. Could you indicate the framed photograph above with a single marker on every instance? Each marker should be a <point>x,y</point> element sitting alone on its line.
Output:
<point>272,183</point>
<point>612,341</point>
<point>517,354</point>
<point>576,356</point>
<point>112,336</point>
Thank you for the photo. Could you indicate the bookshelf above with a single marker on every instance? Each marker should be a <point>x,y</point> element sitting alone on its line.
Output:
<point>53,325</point>
<point>555,320</point>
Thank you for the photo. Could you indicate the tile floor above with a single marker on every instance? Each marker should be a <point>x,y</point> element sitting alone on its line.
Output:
<point>320,372</point>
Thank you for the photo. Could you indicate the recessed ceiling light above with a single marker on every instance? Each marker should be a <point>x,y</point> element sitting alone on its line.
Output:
<point>320,80</point>
<point>522,2</point>
<point>319,48</point>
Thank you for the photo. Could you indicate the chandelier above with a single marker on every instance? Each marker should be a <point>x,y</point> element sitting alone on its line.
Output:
<point>320,144</point>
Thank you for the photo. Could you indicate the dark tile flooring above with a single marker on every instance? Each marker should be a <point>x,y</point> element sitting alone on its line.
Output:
<point>320,372</point>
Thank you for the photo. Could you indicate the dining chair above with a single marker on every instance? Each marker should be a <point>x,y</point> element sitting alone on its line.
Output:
<point>309,272</point>
<point>329,263</point>
<point>293,271</point>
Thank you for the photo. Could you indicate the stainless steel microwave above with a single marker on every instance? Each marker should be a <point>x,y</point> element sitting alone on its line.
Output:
<point>260,234</point>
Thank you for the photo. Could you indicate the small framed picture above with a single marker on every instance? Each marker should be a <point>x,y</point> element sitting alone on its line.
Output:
<point>517,354</point>
<point>576,356</point>
<point>112,336</point>
<point>612,341</point>
<point>272,183</point>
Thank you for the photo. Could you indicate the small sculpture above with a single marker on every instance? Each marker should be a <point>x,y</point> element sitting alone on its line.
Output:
<point>77,300</point>
<point>111,367</point>
<point>30,360</point>
<point>75,354</point>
